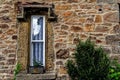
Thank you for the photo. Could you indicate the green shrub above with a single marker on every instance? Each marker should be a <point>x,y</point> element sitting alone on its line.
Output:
<point>114,70</point>
<point>89,63</point>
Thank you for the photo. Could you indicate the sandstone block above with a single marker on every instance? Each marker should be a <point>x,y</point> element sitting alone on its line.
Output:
<point>89,20</point>
<point>75,40</point>
<point>64,27</point>
<point>67,13</point>
<point>3,37</point>
<point>116,49</point>
<point>98,19</point>
<point>11,32</point>
<point>101,29</point>
<point>86,6</point>
<point>60,45</point>
<point>5,19</point>
<point>116,29</point>
<point>82,20</point>
<point>63,33</point>
<point>11,61</point>
<point>62,54</point>
<point>62,70</point>
<point>111,17</point>
<point>59,63</point>
<point>113,39</point>
<point>76,29</point>
<point>63,7</point>
<point>6,51</point>
<point>4,26</point>
<point>89,27</point>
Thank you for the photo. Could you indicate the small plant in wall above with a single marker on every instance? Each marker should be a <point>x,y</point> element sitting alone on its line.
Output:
<point>89,63</point>
<point>114,70</point>
<point>38,68</point>
<point>17,70</point>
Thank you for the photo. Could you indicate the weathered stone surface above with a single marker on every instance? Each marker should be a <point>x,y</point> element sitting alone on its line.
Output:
<point>108,50</point>
<point>86,6</point>
<point>46,76</point>
<point>98,19</point>
<point>111,17</point>
<point>67,14</point>
<point>64,27</point>
<point>116,49</point>
<point>63,7</point>
<point>101,29</point>
<point>62,70</point>
<point>76,40</point>
<point>113,39</point>
<point>5,19</point>
<point>7,51</point>
<point>12,55</point>
<point>89,20</point>
<point>4,26</point>
<point>59,63</point>
<point>82,20</point>
<point>76,29</point>
<point>11,32</point>
<point>72,1</point>
<point>2,58</point>
<point>63,33</point>
<point>89,27</point>
<point>62,54</point>
<point>116,29</point>
<point>11,61</point>
<point>60,45</point>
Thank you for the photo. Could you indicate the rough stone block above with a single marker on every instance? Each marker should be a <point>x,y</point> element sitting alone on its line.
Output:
<point>98,19</point>
<point>116,49</point>
<point>76,28</point>
<point>62,54</point>
<point>113,39</point>
<point>111,17</point>
<point>116,29</point>
<point>89,27</point>
<point>101,29</point>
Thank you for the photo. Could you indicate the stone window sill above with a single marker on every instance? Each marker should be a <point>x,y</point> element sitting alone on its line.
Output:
<point>45,76</point>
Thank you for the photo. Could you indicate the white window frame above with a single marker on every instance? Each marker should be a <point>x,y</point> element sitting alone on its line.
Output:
<point>31,41</point>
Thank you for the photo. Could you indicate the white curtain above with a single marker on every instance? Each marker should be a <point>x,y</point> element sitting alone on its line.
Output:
<point>37,34</point>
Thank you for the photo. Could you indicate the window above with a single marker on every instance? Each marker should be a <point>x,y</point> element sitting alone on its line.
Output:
<point>37,42</point>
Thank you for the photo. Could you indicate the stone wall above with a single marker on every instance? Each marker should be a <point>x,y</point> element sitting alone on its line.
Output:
<point>95,19</point>
<point>8,39</point>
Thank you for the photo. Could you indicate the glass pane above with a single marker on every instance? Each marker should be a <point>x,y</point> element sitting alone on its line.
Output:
<point>37,52</point>
<point>37,28</point>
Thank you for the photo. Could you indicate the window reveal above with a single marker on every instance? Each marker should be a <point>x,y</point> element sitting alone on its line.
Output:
<point>37,40</point>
